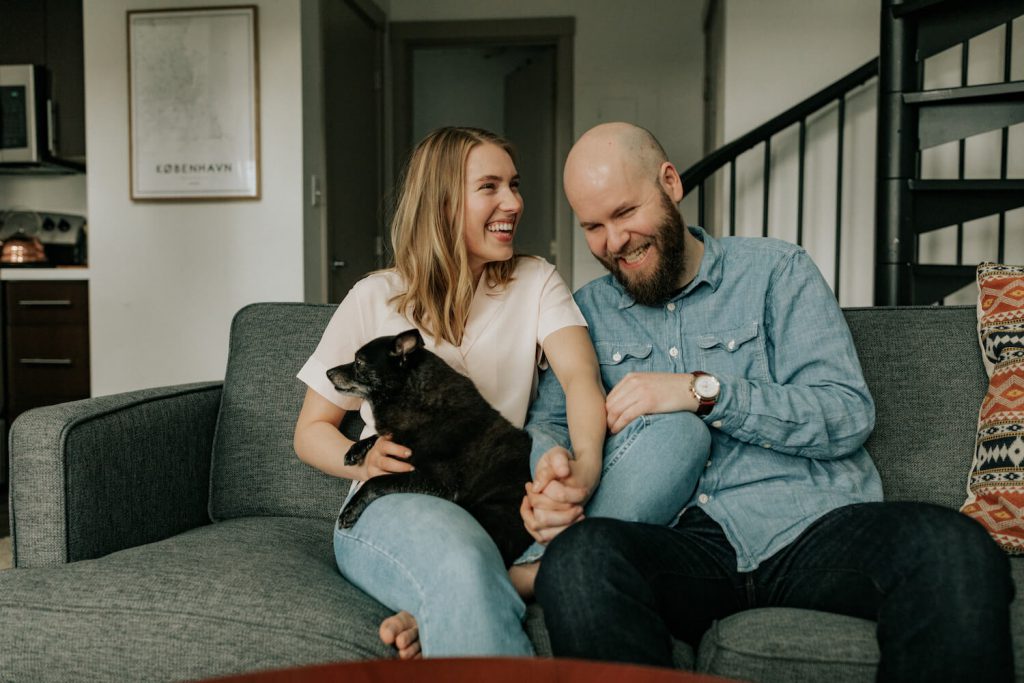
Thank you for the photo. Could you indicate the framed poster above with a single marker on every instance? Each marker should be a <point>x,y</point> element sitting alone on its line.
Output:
<point>193,98</point>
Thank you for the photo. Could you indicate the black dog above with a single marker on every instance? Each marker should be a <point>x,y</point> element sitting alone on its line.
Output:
<point>462,448</point>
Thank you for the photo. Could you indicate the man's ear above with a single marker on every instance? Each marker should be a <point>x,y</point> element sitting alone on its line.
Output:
<point>407,342</point>
<point>668,178</point>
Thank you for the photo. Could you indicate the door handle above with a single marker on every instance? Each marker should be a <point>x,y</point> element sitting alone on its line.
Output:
<point>45,361</point>
<point>338,264</point>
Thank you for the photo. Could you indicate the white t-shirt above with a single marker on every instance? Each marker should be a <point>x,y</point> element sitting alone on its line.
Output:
<point>500,349</point>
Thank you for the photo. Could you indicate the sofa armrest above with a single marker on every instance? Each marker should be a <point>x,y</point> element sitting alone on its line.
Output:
<point>92,477</point>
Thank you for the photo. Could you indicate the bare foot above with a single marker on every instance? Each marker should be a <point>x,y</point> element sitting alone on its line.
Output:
<point>522,577</point>
<point>401,631</point>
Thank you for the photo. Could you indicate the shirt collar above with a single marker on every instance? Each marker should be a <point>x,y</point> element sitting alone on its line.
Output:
<point>710,270</point>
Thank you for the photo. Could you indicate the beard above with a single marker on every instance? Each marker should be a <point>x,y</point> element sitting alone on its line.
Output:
<point>668,241</point>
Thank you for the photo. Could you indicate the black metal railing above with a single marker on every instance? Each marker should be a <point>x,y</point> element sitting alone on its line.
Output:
<point>911,120</point>
<point>696,176</point>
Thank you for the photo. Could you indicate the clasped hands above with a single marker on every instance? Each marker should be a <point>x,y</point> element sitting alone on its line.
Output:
<point>562,486</point>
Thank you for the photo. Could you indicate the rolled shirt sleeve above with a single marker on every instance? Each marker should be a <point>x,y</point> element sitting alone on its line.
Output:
<point>345,334</point>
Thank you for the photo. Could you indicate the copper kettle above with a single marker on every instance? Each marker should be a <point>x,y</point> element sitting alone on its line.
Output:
<point>21,248</point>
<point>18,236</point>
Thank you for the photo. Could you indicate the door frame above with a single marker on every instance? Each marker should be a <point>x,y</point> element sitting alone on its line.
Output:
<point>405,36</point>
<point>317,247</point>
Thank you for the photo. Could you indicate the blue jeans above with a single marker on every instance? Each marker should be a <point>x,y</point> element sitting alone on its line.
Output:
<point>935,583</point>
<point>428,556</point>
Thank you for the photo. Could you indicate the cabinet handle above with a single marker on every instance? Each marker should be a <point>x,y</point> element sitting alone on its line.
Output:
<point>39,303</point>
<point>45,361</point>
<point>51,133</point>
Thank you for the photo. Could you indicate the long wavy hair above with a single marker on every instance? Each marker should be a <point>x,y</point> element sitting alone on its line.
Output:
<point>427,234</point>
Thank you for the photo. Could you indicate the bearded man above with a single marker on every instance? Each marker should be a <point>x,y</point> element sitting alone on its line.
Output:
<point>786,509</point>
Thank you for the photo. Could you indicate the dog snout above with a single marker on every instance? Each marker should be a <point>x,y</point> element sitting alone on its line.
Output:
<point>342,379</point>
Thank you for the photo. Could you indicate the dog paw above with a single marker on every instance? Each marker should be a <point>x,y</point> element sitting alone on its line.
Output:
<point>356,453</point>
<point>347,521</point>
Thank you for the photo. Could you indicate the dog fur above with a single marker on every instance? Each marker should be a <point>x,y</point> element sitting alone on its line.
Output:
<point>463,449</point>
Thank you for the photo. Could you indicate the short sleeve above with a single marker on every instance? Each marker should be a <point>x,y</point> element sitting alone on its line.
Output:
<point>557,308</point>
<point>345,334</point>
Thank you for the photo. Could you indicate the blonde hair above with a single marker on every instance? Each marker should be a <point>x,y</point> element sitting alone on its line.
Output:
<point>427,234</point>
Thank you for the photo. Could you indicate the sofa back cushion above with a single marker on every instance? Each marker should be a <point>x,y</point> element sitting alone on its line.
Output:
<point>255,471</point>
<point>924,369</point>
<point>922,364</point>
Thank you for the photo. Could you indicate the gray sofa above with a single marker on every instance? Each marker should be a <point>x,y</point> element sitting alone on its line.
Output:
<point>172,533</point>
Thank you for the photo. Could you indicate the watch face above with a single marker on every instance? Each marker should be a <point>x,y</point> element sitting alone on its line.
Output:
<point>706,386</point>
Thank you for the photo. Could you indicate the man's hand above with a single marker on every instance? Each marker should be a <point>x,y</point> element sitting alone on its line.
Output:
<point>554,499</point>
<point>645,393</point>
<point>386,457</point>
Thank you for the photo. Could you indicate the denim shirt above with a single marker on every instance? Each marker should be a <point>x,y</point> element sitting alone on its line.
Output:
<point>794,411</point>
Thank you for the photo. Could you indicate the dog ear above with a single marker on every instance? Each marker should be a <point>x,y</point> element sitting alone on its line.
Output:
<point>407,342</point>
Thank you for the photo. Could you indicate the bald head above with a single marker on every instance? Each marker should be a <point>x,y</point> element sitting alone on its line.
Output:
<point>614,148</point>
<point>610,156</point>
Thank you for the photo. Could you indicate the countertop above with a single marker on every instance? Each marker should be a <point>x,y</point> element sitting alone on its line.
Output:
<point>58,273</point>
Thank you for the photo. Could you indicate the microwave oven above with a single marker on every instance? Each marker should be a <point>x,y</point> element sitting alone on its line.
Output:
<point>26,123</point>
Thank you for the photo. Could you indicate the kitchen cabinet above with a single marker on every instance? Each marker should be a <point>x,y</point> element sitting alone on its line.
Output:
<point>47,344</point>
<point>49,32</point>
<point>46,347</point>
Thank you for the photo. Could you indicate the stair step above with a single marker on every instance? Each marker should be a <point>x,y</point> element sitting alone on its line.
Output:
<point>932,283</point>
<point>941,24</point>
<point>939,203</point>
<point>949,114</point>
<point>972,93</point>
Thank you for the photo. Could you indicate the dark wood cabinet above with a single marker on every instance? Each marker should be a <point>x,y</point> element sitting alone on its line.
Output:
<point>47,344</point>
<point>49,32</point>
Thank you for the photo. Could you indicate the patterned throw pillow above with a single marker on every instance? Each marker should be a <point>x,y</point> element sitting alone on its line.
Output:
<point>996,486</point>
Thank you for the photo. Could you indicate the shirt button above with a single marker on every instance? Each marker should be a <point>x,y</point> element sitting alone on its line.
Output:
<point>717,424</point>
<point>671,306</point>
<point>732,344</point>
<point>673,352</point>
<point>617,357</point>
<point>703,498</point>
<point>707,464</point>
<point>766,445</point>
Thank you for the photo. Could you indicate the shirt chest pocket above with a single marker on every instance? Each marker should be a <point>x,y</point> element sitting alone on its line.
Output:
<point>619,359</point>
<point>739,351</point>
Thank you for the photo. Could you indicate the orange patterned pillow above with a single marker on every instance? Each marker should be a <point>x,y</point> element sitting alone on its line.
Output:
<point>996,486</point>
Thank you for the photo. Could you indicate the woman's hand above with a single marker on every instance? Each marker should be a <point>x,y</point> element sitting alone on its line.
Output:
<point>554,500</point>
<point>386,457</point>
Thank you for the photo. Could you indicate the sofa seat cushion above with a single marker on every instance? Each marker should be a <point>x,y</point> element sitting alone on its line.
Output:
<point>249,593</point>
<point>791,645</point>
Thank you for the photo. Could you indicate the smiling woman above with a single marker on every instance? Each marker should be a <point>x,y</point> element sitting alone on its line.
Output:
<point>493,206</point>
<point>458,280</point>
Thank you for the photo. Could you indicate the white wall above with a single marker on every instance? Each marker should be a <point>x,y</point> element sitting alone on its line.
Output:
<point>633,61</point>
<point>776,54</point>
<point>166,278</point>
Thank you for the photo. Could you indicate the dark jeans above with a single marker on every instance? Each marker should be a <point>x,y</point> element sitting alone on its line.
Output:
<point>938,587</point>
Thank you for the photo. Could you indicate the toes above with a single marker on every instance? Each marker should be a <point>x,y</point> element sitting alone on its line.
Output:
<point>408,638</point>
<point>401,631</point>
<point>389,629</point>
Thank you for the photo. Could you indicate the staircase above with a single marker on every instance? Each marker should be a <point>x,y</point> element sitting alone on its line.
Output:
<point>911,120</point>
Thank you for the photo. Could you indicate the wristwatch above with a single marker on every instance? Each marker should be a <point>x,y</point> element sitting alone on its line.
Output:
<point>705,388</point>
